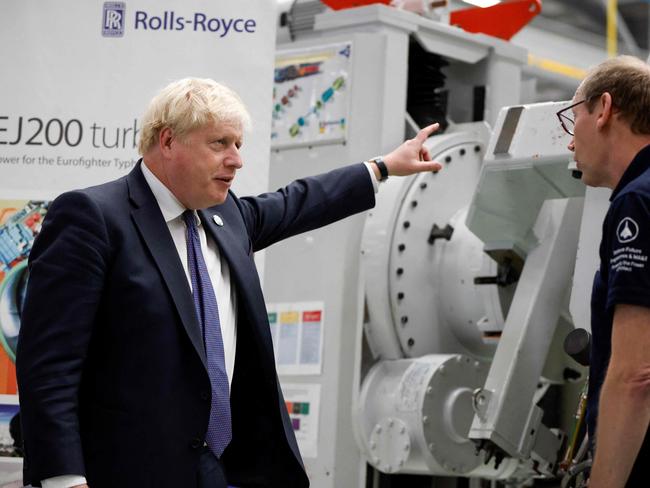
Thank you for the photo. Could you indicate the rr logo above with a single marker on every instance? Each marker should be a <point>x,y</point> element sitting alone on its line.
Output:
<point>113,19</point>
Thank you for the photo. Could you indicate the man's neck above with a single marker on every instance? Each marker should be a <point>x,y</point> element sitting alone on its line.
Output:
<point>624,147</point>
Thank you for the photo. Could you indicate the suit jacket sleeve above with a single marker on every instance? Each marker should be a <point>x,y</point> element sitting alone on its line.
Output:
<point>307,204</point>
<point>67,268</point>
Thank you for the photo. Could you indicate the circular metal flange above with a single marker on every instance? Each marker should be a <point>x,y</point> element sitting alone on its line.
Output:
<point>447,407</point>
<point>421,272</point>
<point>456,183</point>
<point>414,416</point>
<point>389,445</point>
<point>410,278</point>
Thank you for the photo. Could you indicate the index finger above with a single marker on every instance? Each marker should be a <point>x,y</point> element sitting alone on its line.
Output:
<point>424,133</point>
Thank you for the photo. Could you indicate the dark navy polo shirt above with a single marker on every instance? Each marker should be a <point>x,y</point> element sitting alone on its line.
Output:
<point>623,277</point>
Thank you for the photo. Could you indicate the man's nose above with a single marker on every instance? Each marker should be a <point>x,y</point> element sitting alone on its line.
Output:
<point>571,145</point>
<point>234,157</point>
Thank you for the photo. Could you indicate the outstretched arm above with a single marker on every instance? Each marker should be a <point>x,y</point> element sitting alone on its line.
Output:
<point>316,201</point>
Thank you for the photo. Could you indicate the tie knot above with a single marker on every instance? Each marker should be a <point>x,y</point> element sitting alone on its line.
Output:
<point>190,219</point>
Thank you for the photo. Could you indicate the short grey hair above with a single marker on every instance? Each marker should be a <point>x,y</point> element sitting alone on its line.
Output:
<point>189,104</point>
<point>627,80</point>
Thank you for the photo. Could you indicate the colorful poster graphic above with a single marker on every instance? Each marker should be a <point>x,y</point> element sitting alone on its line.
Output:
<point>310,96</point>
<point>8,410</point>
<point>20,223</point>
<point>297,332</point>
<point>303,404</point>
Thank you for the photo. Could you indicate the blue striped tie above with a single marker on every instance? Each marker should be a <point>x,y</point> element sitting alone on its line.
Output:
<point>219,431</point>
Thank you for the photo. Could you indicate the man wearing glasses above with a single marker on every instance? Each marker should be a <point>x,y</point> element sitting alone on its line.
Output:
<point>610,124</point>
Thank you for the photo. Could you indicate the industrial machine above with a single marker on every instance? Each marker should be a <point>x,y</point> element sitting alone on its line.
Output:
<point>419,343</point>
<point>443,310</point>
<point>474,307</point>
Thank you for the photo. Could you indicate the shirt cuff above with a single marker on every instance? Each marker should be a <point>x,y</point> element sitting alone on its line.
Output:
<point>373,178</point>
<point>63,481</point>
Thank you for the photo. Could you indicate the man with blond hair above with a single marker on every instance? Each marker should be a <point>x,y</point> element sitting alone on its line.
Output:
<point>145,357</point>
<point>609,120</point>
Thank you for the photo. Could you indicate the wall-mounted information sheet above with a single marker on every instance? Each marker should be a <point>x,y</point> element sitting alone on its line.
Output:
<point>297,331</point>
<point>303,401</point>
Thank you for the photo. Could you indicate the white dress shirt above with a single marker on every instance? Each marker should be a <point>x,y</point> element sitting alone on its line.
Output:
<point>218,269</point>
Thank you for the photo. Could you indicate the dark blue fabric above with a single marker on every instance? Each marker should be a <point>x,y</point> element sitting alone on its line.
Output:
<point>219,431</point>
<point>623,278</point>
<point>211,473</point>
<point>111,364</point>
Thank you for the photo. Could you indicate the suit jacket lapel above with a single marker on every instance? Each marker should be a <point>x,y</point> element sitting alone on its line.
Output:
<point>242,272</point>
<point>155,233</point>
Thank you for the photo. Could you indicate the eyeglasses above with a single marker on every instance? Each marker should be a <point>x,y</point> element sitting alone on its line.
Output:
<point>566,119</point>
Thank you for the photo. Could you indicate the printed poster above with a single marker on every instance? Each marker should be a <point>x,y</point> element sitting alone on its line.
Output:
<point>303,403</point>
<point>77,77</point>
<point>310,96</point>
<point>20,223</point>
<point>297,333</point>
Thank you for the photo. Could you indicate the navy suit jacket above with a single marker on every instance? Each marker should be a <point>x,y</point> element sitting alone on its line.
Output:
<point>111,364</point>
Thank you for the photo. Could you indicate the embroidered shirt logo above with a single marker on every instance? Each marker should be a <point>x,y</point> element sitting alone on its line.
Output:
<point>627,230</point>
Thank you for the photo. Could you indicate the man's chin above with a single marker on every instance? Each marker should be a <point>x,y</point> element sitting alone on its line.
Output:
<point>588,180</point>
<point>208,201</point>
<point>217,200</point>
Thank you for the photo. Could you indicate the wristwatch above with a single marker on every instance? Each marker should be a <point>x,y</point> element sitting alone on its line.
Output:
<point>381,166</point>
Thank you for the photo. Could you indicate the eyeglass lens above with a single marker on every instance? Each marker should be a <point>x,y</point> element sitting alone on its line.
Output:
<point>568,123</point>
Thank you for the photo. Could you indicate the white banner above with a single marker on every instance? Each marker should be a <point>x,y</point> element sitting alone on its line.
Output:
<point>77,75</point>
<point>76,78</point>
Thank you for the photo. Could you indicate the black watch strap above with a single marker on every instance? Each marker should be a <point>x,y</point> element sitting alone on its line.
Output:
<point>383,170</point>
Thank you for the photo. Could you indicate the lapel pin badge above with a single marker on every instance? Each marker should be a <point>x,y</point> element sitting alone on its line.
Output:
<point>217,220</point>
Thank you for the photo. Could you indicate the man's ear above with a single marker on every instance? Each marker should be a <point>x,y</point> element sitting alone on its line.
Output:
<point>165,139</point>
<point>604,109</point>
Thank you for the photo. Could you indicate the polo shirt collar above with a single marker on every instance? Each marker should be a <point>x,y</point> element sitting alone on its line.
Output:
<point>637,167</point>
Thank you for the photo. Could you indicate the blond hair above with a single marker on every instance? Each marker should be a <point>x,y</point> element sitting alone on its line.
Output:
<point>189,104</point>
<point>627,80</point>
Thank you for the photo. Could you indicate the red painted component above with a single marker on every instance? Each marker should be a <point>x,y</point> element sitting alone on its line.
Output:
<point>341,4</point>
<point>502,20</point>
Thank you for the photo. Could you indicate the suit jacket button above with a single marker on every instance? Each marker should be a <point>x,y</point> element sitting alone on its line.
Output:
<point>205,395</point>
<point>196,443</point>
